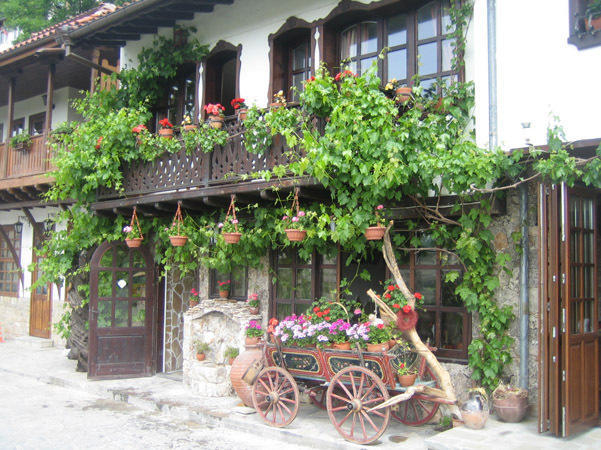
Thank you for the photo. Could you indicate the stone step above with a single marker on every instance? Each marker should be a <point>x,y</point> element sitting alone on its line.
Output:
<point>34,342</point>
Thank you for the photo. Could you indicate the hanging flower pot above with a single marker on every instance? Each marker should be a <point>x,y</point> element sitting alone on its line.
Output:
<point>242,113</point>
<point>134,236</point>
<point>296,235</point>
<point>374,233</point>
<point>406,320</point>
<point>231,238</point>
<point>295,221</point>
<point>133,242</point>
<point>190,127</point>
<point>177,239</point>
<point>229,227</point>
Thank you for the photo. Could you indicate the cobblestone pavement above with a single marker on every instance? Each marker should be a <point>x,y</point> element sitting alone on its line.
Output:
<point>34,415</point>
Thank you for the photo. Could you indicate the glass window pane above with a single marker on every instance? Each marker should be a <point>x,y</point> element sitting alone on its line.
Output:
<point>105,280</point>
<point>397,64</point>
<point>349,43</point>
<point>406,277</point>
<point>121,313</point>
<point>283,310</point>
<point>297,82</point>
<point>121,284</point>
<point>427,59</point>
<point>138,259</point>
<point>447,54</point>
<point>426,21</point>
<point>397,30</point>
<point>105,310</point>
<point>303,284</point>
<point>425,284</point>
<point>285,257</point>
<point>428,84</point>
<point>449,298</point>
<point>447,25</point>
<point>369,38</point>
<point>588,316</point>
<point>425,258</point>
<point>238,286</point>
<point>426,326</point>
<point>575,319</point>
<point>284,283</point>
<point>299,57</point>
<point>107,259</point>
<point>451,330</point>
<point>301,308</point>
<point>138,288</point>
<point>138,313</point>
<point>328,283</point>
<point>588,213</point>
<point>329,259</point>
<point>366,63</point>
<point>122,257</point>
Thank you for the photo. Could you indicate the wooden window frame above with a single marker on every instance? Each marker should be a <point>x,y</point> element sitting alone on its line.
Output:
<point>306,70</point>
<point>212,65</point>
<point>214,291</point>
<point>36,117</point>
<point>15,238</point>
<point>163,109</point>
<point>577,34</point>
<point>16,122</point>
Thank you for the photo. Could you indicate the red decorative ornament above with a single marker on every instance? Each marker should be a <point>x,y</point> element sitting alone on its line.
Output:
<point>406,321</point>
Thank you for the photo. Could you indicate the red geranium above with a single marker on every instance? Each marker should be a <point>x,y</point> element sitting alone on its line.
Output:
<point>380,326</point>
<point>316,309</point>
<point>165,123</point>
<point>417,295</point>
<point>214,109</point>
<point>346,73</point>
<point>273,321</point>
<point>238,103</point>
<point>406,309</point>
<point>327,318</point>
<point>139,128</point>
<point>98,142</point>
<point>396,306</point>
<point>387,295</point>
<point>310,79</point>
<point>391,288</point>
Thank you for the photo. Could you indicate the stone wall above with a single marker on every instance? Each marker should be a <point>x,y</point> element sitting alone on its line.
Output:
<point>220,324</point>
<point>176,304</point>
<point>14,316</point>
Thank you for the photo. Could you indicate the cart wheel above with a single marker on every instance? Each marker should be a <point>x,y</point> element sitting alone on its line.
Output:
<point>351,393</point>
<point>275,396</point>
<point>417,410</point>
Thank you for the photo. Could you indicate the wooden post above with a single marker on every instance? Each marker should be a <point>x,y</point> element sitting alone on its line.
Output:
<point>94,72</point>
<point>50,97</point>
<point>9,122</point>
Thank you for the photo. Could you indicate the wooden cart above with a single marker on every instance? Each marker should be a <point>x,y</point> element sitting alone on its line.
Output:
<point>349,384</point>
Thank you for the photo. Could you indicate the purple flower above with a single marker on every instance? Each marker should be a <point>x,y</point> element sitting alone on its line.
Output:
<point>295,219</point>
<point>127,229</point>
<point>220,225</point>
<point>301,214</point>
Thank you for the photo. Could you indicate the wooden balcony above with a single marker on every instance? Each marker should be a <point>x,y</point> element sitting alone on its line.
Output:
<point>225,166</point>
<point>20,168</point>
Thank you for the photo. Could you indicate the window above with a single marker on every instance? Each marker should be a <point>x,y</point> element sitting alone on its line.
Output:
<point>1,132</point>
<point>444,322</point>
<point>300,68</point>
<point>299,281</point>
<point>221,75</point>
<point>585,30</point>
<point>37,123</point>
<point>238,286</point>
<point>179,100</point>
<point>18,126</point>
<point>418,42</point>
<point>9,271</point>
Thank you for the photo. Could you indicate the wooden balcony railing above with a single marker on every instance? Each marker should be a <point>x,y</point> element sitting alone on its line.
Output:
<point>224,165</point>
<point>21,163</point>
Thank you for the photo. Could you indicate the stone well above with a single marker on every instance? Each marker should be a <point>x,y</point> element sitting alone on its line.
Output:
<point>221,324</point>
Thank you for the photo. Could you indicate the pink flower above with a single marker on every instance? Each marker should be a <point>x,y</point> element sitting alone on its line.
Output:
<point>235,221</point>
<point>127,229</point>
<point>380,207</point>
<point>301,213</point>
<point>295,219</point>
<point>285,218</point>
<point>357,311</point>
<point>220,225</point>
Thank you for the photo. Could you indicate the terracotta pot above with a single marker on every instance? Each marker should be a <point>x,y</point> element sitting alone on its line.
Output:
<point>342,346</point>
<point>166,132</point>
<point>216,122</point>
<point>295,235</point>
<point>242,112</point>
<point>254,311</point>
<point>474,420</point>
<point>230,361</point>
<point>407,380</point>
<point>403,94</point>
<point>276,105</point>
<point>178,241</point>
<point>240,365</point>
<point>593,23</point>
<point>251,340</point>
<point>374,233</point>
<point>224,294</point>
<point>377,348</point>
<point>133,242</point>
<point>231,238</point>
<point>200,356</point>
<point>511,408</point>
<point>190,127</point>
<point>192,303</point>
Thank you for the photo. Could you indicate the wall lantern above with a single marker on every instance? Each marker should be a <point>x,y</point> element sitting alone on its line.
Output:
<point>19,226</point>
<point>48,224</point>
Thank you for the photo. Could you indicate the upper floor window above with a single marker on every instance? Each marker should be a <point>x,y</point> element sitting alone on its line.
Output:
<point>179,99</point>
<point>585,23</point>
<point>418,43</point>
<point>9,271</point>
<point>221,74</point>
<point>37,123</point>
<point>300,68</point>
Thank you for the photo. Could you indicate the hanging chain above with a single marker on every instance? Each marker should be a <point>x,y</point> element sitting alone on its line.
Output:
<point>177,219</point>
<point>134,221</point>
<point>232,209</point>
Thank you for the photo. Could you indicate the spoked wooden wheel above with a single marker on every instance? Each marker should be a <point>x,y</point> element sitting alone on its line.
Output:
<point>351,393</point>
<point>275,396</point>
<point>418,410</point>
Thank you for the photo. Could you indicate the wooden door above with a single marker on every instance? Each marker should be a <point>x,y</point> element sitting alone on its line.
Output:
<point>40,299</point>
<point>122,310</point>
<point>579,316</point>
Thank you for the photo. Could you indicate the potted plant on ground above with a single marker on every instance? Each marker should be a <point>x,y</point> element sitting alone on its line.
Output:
<point>216,116</point>
<point>224,288</point>
<point>240,107</point>
<point>194,298</point>
<point>188,125</point>
<point>166,129</point>
<point>376,232</point>
<point>254,332</point>
<point>231,353</point>
<point>21,142</point>
<point>510,403</point>
<point>133,232</point>
<point>253,303</point>
<point>175,234</point>
<point>201,349</point>
<point>406,375</point>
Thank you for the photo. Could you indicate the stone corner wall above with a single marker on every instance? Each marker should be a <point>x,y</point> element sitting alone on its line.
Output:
<point>14,317</point>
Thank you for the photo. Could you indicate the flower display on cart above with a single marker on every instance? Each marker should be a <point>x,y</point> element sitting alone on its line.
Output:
<point>378,332</point>
<point>253,329</point>
<point>394,298</point>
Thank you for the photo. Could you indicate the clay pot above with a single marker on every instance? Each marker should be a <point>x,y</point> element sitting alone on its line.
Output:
<point>242,112</point>
<point>593,23</point>
<point>190,127</point>
<point>254,310</point>
<point>224,294</point>
<point>231,238</point>
<point>216,122</point>
<point>230,361</point>
<point>248,341</point>
<point>374,233</point>
<point>377,348</point>
<point>342,346</point>
<point>403,94</point>
<point>193,303</point>
<point>200,356</point>
<point>407,380</point>
<point>178,241</point>
<point>276,105</point>
<point>240,365</point>
<point>166,132</point>
<point>511,408</point>
<point>133,242</point>
<point>295,235</point>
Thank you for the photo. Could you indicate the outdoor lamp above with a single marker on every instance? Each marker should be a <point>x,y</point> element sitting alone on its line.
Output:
<point>48,225</point>
<point>19,226</point>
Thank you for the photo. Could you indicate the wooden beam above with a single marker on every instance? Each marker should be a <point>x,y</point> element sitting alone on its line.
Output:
<point>153,22</point>
<point>116,36</point>
<point>49,98</point>
<point>268,195</point>
<point>39,230</point>
<point>193,205</point>
<point>19,194</point>
<point>170,14</point>
<point>143,29</point>
<point>216,202</point>
<point>163,206</point>
<point>312,194</point>
<point>10,117</point>
<point>109,43</point>
<point>13,252</point>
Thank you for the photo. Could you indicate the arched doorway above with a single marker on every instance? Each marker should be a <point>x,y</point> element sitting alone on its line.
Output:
<point>123,306</point>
